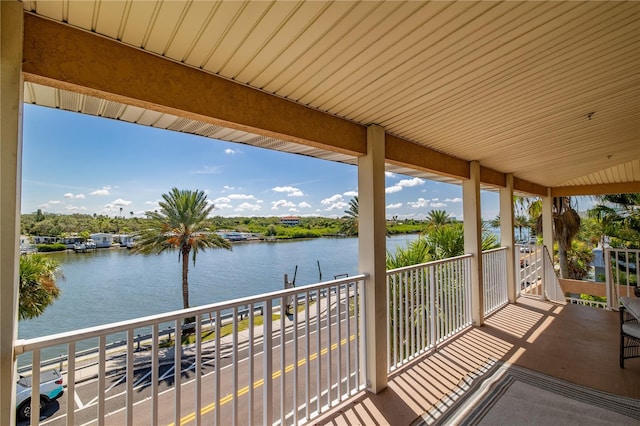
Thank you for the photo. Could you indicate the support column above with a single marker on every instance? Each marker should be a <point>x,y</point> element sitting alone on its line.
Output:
<point>10,187</point>
<point>547,228</point>
<point>507,236</point>
<point>372,255</point>
<point>473,239</point>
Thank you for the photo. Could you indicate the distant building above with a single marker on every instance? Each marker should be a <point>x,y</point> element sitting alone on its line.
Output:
<point>44,240</point>
<point>102,240</point>
<point>290,220</point>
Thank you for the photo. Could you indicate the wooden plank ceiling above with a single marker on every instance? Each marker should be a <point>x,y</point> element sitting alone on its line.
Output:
<point>548,91</point>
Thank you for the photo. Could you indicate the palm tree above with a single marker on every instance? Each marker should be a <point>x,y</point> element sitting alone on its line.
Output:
<point>181,223</point>
<point>566,225</point>
<point>38,287</point>
<point>618,215</point>
<point>438,218</point>
<point>350,224</point>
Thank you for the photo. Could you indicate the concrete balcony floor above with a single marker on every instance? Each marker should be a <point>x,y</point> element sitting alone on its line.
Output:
<point>574,343</point>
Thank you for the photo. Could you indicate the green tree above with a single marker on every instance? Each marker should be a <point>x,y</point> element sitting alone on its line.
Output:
<point>350,224</point>
<point>181,223</point>
<point>619,217</point>
<point>438,218</point>
<point>566,225</point>
<point>38,287</point>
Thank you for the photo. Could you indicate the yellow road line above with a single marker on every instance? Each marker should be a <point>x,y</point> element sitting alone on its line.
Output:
<point>241,392</point>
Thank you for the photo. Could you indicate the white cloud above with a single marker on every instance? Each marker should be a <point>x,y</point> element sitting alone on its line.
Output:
<point>289,190</point>
<point>229,151</point>
<point>454,200</point>
<point>228,188</point>
<point>435,199</point>
<point>275,205</point>
<point>222,206</point>
<point>304,204</point>
<point>389,174</point>
<point>418,204</point>
<point>70,195</point>
<point>207,170</point>
<point>351,194</point>
<point>333,199</point>
<point>121,203</point>
<point>74,208</point>
<point>104,191</point>
<point>437,205</point>
<point>340,205</point>
<point>408,183</point>
<point>293,210</point>
<point>247,207</point>
<point>221,200</point>
<point>241,197</point>
<point>394,206</point>
<point>404,183</point>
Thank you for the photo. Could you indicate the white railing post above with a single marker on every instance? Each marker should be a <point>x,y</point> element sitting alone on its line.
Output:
<point>267,366</point>
<point>611,292</point>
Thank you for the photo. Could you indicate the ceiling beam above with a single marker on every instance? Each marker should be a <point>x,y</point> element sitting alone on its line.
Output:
<point>601,189</point>
<point>401,152</point>
<point>61,56</point>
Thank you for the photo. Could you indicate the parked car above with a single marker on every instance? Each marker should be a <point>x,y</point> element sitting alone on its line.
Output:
<point>525,249</point>
<point>50,389</point>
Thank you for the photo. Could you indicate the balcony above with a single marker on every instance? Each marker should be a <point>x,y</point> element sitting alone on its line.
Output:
<point>574,343</point>
<point>124,373</point>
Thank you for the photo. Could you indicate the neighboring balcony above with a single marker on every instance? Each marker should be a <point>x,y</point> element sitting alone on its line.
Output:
<point>297,356</point>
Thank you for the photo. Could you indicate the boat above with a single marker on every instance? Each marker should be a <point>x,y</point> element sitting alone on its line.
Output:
<point>83,247</point>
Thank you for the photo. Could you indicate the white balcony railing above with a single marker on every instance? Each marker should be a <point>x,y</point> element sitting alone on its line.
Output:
<point>530,264</point>
<point>621,270</point>
<point>494,279</point>
<point>244,361</point>
<point>426,305</point>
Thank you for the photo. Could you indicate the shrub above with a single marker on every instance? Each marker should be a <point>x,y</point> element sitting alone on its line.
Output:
<point>51,247</point>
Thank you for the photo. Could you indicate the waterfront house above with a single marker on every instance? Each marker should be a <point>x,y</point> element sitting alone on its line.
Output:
<point>39,239</point>
<point>290,220</point>
<point>521,98</point>
<point>102,240</point>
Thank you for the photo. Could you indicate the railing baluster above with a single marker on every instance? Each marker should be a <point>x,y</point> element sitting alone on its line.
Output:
<point>319,353</point>
<point>283,366</point>
<point>348,327</point>
<point>251,363</point>
<point>339,340</point>
<point>307,356</point>
<point>294,342</point>
<point>328,348</point>
<point>154,374</point>
<point>177,371</point>
<point>129,377</point>
<point>101,378</point>
<point>35,389</point>
<point>234,365</point>
<point>71,382</point>
<point>267,369</point>
<point>197,372</point>
<point>217,370</point>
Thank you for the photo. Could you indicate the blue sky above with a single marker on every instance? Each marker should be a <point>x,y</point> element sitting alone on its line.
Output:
<point>74,163</point>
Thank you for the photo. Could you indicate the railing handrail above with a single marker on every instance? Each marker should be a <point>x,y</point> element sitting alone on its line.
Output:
<point>26,345</point>
<point>494,250</point>
<point>423,265</point>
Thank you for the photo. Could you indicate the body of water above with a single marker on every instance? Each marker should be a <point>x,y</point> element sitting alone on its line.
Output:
<point>114,285</point>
